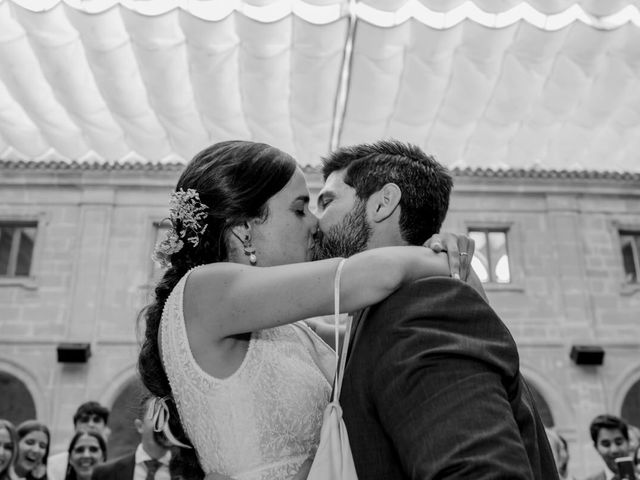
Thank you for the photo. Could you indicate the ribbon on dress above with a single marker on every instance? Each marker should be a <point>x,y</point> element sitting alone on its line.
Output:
<point>159,415</point>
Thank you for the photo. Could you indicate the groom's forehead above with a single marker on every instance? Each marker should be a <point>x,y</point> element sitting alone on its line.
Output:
<point>334,184</point>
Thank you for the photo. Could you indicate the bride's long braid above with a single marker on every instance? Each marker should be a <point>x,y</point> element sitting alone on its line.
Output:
<point>235,179</point>
<point>184,461</point>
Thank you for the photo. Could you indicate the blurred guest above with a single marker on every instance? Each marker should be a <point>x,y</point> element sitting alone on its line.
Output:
<point>563,456</point>
<point>636,461</point>
<point>8,448</point>
<point>610,437</point>
<point>560,453</point>
<point>33,449</point>
<point>86,450</point>
<point>89,417</point>
<point>150,460</point>
<point>634,437</point>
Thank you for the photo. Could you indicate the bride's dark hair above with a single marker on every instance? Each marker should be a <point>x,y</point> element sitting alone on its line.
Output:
<point>235,180</point>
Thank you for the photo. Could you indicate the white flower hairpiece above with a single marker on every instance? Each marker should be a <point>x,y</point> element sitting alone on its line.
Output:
<point>186,209</point>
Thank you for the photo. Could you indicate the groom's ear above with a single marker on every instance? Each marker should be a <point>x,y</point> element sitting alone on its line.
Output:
<point>384,202</point>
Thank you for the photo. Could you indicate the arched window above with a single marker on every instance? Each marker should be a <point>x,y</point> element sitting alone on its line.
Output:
<point>631,405</point>
<point>125,409</point>
<point>16,402</point>
<point>542,406</point>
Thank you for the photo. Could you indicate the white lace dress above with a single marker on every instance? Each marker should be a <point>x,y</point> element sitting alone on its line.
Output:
<point>261,423</point>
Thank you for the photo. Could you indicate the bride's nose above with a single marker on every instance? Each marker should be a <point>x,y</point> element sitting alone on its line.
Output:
<point>313,221</point>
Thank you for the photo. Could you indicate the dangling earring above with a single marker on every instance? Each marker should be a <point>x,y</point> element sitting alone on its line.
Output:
<point>249,250</point>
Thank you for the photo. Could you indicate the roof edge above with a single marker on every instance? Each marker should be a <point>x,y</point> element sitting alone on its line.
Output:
<point>61,165</point>
<point>479,172</point>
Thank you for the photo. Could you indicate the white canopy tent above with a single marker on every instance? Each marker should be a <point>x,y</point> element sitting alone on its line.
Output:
<point>548,84</point>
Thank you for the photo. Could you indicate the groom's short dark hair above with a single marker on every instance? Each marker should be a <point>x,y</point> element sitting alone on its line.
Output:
<point>425,184</point>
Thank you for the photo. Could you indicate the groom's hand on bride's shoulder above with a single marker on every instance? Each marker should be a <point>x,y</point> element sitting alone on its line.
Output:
<point>459,250</point>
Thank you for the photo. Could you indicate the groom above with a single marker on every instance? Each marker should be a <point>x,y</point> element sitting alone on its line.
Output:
<point>432,386</point>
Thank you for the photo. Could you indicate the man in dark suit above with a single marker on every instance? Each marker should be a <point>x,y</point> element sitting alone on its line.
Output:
<point>150,460</point>
<point>432,387</point>
<point>610,436</point>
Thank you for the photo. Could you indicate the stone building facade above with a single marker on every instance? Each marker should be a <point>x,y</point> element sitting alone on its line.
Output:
<point>93,228</point>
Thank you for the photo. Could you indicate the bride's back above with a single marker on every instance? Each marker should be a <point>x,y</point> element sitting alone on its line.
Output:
<point>261,422</point>
<point>223,187</point>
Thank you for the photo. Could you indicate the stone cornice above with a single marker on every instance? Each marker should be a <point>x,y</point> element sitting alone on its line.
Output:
<point>550,174</point>
<point>538,173</point>
<point>58,165</point>
<point>162,176</point>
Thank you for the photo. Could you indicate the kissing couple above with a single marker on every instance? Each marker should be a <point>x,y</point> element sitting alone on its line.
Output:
<point>432,387</point>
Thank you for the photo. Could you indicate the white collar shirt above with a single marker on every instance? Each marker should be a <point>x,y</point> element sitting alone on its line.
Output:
<point>140,470</point>
<point>608,474</point>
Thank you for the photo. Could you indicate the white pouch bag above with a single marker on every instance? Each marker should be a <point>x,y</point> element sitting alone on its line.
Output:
<point>333,460</point>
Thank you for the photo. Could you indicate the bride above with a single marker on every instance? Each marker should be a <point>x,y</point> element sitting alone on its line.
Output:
<point>224,351</point>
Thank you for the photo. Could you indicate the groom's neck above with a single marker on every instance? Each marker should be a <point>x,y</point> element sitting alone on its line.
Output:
<point>386,238</point>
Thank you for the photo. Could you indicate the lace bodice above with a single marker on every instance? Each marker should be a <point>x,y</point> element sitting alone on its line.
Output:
<point>261,423</point>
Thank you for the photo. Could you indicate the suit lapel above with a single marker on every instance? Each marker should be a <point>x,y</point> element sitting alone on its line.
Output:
<point>127,468</point>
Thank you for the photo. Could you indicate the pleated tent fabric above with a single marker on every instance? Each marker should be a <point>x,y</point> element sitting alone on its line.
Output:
<point>543,84</point>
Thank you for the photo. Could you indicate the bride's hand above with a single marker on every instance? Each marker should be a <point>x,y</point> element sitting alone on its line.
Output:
<point>459,249</point>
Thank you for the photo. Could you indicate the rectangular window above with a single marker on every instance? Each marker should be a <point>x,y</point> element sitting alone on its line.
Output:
<point>491,257</point>
<point>17,240</point>
<point>630,245</point>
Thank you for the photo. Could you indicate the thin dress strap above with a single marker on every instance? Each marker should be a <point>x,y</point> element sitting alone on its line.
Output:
<point>341,358</point>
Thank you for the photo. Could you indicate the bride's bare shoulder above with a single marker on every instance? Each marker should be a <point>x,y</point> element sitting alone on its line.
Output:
<point>214,272</point>
<point>208,285</point>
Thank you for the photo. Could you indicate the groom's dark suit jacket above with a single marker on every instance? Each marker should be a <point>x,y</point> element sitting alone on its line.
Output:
<point>119,469</point>
<point>432,390</point>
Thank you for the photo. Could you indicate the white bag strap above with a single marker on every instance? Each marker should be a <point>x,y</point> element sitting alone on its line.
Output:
<point>340,359</point>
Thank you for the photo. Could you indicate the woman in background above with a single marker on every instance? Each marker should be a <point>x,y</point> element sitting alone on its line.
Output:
<point>33,450</point>
<point>8,447</point>
<point>560,450</point>
<point>86,450</point>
